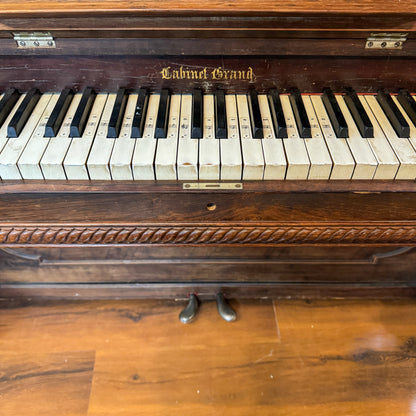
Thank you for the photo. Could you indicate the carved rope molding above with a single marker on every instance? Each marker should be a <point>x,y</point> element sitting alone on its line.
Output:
<point>211,234</point>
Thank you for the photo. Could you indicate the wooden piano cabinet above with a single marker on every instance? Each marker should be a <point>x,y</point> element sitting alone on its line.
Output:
<point>161,240</point>
<point>295,272</point>
<point>158,239</point>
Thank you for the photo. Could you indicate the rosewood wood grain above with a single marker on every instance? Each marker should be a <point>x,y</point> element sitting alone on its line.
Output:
<point>151,255</point>
<point>265,7</point>
<point>312,26</point>
<point>108,45</point>
<point>309,74</point>
<point>204,43</point>
<point>137,187</point>
<point>182,27</point>
<point>296,265</point>
<point>190,210</point>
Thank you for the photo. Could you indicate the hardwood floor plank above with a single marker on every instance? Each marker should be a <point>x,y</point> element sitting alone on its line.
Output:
<point>45,384</point>
<point>188,366</point>
<point>97,325</point>
<point>127,358</point>
<point>347,354</point>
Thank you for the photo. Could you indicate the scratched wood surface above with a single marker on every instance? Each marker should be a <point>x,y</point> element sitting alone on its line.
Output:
<point>134,358</point>
<point>282,6</point>
<point>188,15</point>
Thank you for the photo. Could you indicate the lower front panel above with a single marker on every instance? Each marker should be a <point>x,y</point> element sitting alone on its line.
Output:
<point>177,271</point>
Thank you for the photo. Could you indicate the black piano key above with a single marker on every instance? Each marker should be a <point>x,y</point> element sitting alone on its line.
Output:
<point>7,103</point>
<point>335,114</point>
<point>163,115</point>
<point>140,113</point>
<point>358,113</point>
<point>116,118</point>
<point>82,113</point>
<point>276,110</point>
<point>408,104</point>
<point>22,114</point>
<point>299,111</point>
<point>220,115</point>
<point>197,114</point>
<point>394,115</point>
<point>255,115</point>
<point>58,113</point>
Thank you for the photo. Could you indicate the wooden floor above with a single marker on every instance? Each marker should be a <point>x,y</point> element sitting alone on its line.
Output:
<point>126,358</point>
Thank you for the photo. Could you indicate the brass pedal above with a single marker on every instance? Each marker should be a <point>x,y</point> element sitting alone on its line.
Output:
<point>190,311</point>
<point>224,309</point>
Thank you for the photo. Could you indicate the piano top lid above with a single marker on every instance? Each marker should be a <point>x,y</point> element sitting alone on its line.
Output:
<point>210,7</point>
<point>208,18</point>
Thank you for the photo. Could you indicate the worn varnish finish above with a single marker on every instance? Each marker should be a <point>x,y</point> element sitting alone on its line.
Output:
<point>95,239</point>
<point>181,16</point>
<point>150,6</point>
<point>136,358</point>
<point>365,74</point>
<point>170,245</point>
<point>160,240</point>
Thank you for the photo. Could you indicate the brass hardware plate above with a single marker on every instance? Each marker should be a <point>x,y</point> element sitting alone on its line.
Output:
<point>34,40</point>
<point>386,41</point>
<point>212,185</point>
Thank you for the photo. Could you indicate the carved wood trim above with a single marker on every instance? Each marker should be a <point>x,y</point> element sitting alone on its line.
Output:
<point>212,234</point>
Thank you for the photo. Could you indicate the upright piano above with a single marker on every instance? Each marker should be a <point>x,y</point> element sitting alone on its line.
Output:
<point>168,148</point>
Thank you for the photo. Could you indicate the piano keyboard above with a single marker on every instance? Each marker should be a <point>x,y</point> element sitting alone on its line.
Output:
<point>142,136</point>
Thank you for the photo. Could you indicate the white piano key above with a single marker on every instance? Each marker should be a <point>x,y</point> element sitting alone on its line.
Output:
<point>230,148</point>
<point>386,158</point>
<point>102,147</point>
<point>401,146</point>
<point>273,151</point>
<point>365,161</point>
<point>53,159</point>
<point>412,137</point>
<point>165,165</point>
<point>343,163</point>
<point>123,149</point>
<point>209,146</point>
<point>321,162</point>
<point>15,145</point>
<point>187,161</point>
<point>75,163</point>
<point>29,161</point>
<point>298,163</point>
<point>145,150</point>
<point>3,128</point>
<point>252,149</point>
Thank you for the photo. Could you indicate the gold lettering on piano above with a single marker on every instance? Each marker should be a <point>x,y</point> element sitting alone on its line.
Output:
<point>216,74</point>
<point>228,74</point>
